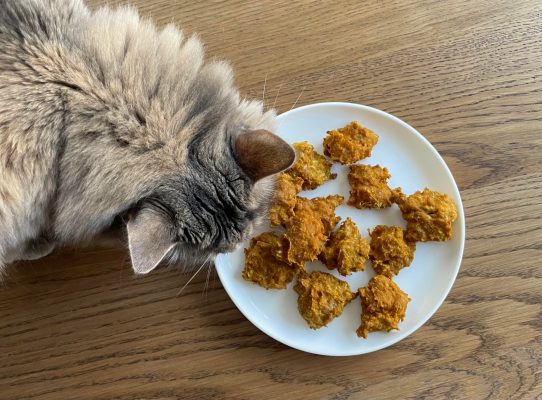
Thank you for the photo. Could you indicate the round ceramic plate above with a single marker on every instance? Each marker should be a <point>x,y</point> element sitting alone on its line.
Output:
<point>413,164</point>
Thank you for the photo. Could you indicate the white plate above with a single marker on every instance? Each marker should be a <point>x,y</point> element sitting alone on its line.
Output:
<point>413,164</point>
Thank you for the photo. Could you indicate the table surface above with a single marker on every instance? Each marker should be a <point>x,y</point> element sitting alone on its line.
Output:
<point>467,74</point>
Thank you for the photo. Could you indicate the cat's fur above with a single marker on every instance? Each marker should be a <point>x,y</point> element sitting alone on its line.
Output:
<point>102,115</point>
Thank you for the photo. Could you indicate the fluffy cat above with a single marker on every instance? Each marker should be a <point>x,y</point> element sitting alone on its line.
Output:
<point>102,116</point>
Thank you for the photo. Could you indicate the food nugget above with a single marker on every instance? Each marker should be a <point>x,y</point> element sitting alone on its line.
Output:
<point>369,187</point>
<point>265,262</point>
<point>429,215</point>
<point>383,306</point>
<point>346,250</point>
<point>305,234</point>
<point>283,205</point>
<point>322,297</point>
<point>308,230</point>
<point>349,144</point>
<point>325,208</point>
<point>389,250</point>
<point>310,166</point>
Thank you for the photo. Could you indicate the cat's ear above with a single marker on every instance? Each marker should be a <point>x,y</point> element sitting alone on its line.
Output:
<point>261,153</point>
<point>149,240</point>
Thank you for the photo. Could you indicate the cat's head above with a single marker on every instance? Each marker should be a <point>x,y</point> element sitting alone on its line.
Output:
<point>216,177</point>
<point>210,204</point>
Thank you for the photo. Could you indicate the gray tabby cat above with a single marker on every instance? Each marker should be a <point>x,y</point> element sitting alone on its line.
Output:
<point>102,117</point>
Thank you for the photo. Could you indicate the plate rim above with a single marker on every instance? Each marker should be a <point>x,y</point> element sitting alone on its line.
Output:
<point>462,231</point>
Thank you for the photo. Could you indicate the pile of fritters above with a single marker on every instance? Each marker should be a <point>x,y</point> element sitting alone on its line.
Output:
<point>307,222</point>
<point>310,232</point>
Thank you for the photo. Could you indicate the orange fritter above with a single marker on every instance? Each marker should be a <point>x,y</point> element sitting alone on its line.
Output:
<point>265,262</point>
<point>283,205</point>
<point>349,144</point>
<point>383,306</point>
<point>310,166</point>
<point>389,250</point>
<point>429,215</point>
<point>369,187</point>
<point>325,208</point>
<point>305,234</point>
<point>346,250</point>
<point>322,297</point>
<point>308,230</point>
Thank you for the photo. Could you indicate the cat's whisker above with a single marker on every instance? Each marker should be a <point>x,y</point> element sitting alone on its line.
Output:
<point>263,94</point>
<point>296,100</point>
<point>277,96</point>
<point>206,286</point>
<point>291,108</point>
<point>193,276</point>
<point>214,274</point>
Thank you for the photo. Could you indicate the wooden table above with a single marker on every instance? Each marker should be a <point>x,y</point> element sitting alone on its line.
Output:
<point>468,75</point>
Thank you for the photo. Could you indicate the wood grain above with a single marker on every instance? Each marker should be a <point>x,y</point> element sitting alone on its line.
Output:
<point>468,75</point>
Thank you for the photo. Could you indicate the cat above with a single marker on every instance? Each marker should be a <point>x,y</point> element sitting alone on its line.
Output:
<point>103,117</point>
